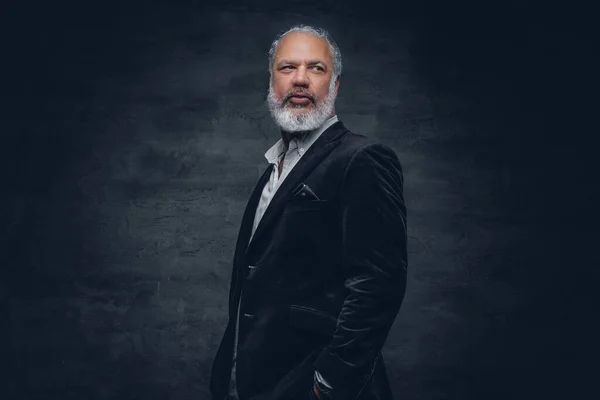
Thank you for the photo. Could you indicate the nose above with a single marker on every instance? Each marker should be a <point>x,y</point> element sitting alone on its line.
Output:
<point>300,77</point>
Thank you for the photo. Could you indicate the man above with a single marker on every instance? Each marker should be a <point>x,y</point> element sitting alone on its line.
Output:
<point>319,270</point>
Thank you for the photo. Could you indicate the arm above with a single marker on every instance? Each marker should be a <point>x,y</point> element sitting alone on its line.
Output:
<point>375,265</point>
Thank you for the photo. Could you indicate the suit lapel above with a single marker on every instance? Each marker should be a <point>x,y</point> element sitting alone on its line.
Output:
<point>307,163</point>
<point>249,213</point>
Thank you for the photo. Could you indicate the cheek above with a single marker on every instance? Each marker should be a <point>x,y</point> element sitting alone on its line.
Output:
<point>279,92</point>
<point>322,95</point>
<point>279,87</point>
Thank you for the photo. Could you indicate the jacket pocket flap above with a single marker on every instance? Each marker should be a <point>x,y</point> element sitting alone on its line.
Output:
<point>312,320</point>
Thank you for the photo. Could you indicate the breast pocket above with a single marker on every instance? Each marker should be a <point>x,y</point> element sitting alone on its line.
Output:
<point>306,227</point>
<point>307,205</point>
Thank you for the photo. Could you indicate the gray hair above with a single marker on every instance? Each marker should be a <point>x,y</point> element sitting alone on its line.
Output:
<point>334,50</point>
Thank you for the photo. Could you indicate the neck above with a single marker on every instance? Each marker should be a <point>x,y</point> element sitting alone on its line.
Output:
<point>287,136</point>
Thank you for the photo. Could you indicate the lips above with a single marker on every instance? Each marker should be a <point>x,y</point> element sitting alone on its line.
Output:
<point>300,98</point>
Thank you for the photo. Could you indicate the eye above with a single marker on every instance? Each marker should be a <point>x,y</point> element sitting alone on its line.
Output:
<point>320,68</point>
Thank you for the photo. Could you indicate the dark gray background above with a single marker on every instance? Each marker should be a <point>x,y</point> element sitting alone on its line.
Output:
<point>134,133</point>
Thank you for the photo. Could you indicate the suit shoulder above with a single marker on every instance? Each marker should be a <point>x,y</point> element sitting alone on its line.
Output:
<point>352,143</point>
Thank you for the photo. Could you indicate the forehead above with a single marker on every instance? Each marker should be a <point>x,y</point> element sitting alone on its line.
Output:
<point>300,46</point>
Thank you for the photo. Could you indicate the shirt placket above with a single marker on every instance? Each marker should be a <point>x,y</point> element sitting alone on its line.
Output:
<point>289,160</point>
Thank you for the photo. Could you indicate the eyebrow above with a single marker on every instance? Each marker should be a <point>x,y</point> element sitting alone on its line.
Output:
<point>311,62</point>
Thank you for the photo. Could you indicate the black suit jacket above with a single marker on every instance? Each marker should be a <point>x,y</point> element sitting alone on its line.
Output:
<point>322,280</point>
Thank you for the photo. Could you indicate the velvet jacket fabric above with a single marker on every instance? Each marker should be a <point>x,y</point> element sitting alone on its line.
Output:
<point>323,280</point>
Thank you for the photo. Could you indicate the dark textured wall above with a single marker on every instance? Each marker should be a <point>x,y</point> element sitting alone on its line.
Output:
<point>134,133</point>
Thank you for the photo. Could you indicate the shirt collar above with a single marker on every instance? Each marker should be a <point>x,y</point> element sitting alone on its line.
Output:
<point>274,153</point>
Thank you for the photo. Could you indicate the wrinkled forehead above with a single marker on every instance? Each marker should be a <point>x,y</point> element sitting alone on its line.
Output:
<point>301,47</point>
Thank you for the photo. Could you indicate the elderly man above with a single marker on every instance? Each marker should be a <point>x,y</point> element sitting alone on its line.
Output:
<point>319,271</point>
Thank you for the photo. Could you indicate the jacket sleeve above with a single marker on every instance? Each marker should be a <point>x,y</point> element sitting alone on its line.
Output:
<point>375,266</point>
<point>319,378</point>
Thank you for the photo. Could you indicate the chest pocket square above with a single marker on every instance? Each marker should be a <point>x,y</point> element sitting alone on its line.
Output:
<point>304,198</point>
<point>303,190</point>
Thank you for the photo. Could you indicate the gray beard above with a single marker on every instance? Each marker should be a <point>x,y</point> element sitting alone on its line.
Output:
<point>312,119</point>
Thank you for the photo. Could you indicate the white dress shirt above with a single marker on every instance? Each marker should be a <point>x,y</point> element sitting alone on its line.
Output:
<point>296,149</point>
